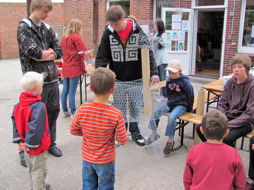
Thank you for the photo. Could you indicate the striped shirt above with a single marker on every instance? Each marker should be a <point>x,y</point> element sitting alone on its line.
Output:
<point>99,124</point>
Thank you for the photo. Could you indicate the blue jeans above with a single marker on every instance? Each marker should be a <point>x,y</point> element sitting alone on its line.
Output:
<point>69,87</point>
<point>98,176</point>
<point>175,112</point>
<point>162,75</point>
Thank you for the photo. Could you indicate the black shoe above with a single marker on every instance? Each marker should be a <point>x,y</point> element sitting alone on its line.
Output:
<point>22,159</point>
<point>168,148</point>
<point>139,139</point>
<point>55,151</point>
<point>47,187</point>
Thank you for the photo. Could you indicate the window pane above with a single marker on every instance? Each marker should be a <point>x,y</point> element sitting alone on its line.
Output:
<point>177,30</point>
<point>209,2</point>
<point>160,4</point>
<point>248,30</point>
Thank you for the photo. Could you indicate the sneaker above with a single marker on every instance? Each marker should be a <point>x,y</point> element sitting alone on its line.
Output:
<point>22,159</point>
<point>250,181</point>
<point>66,114</point>
<point>168,148</point>
<point>152,138</point>
<point>139,139</point>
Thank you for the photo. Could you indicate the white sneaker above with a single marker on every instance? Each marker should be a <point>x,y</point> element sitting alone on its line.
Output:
<point>66,114</point>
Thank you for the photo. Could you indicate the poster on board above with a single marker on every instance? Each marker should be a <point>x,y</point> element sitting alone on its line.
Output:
<point>185,25</point>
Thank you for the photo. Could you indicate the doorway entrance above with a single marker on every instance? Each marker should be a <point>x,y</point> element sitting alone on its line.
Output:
<point>209,42</point>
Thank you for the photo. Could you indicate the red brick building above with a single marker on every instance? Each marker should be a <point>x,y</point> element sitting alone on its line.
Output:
<point>205,34</point>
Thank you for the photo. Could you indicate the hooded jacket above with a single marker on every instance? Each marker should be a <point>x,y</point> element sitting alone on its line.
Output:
<point>237,102</point>
<point>180,92</point>
<point>30,123</point>
<point>73,57</point>
<point>125,61</point>
<point>32,39</point>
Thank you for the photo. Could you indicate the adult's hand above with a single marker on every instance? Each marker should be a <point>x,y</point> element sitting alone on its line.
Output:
<point>155,79</point>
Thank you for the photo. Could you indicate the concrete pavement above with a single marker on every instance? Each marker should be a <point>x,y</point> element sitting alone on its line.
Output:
<point>137,168</point>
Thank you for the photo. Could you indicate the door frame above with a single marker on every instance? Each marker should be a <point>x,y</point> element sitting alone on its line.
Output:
<point>194,31</point>
<point>188,52</point>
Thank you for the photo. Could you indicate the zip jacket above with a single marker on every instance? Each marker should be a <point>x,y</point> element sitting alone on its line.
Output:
<point>180,92</point>
<point>73,57</point>
<point>30,123</point>
<point>125,61</point>
<point>32,39</point>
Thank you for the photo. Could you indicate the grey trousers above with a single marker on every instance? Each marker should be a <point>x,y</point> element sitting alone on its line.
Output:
<point>37,170</point>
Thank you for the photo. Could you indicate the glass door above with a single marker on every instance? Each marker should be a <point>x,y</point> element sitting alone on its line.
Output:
<point>178,25</point>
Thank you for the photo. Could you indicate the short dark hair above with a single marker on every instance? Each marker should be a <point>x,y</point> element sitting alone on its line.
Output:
<point>102,80</point>
<point>243,59</point>
<point>214,124</point>
<point>115,13</point>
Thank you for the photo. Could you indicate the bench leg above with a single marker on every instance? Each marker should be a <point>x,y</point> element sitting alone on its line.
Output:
<point>80,89</point>
<point>181,127</point>
<point>242,143</point>
<point>193,131</point>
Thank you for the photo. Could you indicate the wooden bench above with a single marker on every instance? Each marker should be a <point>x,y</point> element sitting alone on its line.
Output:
<point>190,117</point>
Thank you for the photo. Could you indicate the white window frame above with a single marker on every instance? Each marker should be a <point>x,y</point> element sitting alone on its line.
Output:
<point>193,5</point>
<point>24,1</point>
<point>241,48</point>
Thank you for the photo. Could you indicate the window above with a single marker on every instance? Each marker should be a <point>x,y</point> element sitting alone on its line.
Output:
<point>161,3</point>
<point>125,4</point>
<point>209,2</point>
<point>246,41</point>
<point>248,29</point>
<point>177,25</point>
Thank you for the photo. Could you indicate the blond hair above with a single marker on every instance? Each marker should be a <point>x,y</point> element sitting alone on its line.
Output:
<point>102,80</point>
<point>31,79</point>
<point>242,59</point>
<point>75,26</point>
<point>38,4</point>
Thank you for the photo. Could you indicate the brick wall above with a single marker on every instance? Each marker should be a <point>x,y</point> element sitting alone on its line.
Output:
<point>11,14</point>
<point>82,10</point>
<point>182,3</point>
<point>232,33</point>
<point>142,10</point>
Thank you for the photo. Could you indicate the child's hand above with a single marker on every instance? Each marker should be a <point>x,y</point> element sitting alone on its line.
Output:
<point>155,79</point>
<point>252,147</point>
<point>23,147</point>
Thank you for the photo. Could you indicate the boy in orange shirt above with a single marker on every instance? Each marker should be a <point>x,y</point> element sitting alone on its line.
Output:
<point>99,123</point>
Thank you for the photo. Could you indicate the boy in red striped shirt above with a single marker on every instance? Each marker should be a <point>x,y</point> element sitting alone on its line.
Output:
<point>99,123</point>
